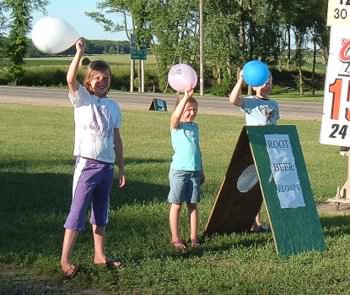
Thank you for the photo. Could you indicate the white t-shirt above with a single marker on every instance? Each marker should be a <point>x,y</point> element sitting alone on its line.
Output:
<point>260,112</point>
<point>95,119</point>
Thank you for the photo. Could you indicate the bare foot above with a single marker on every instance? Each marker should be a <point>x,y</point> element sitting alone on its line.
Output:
<point>69,270</point>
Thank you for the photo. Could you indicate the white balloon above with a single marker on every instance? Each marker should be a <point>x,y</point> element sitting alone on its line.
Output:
<point>53,35</point>
<point>248,179</point>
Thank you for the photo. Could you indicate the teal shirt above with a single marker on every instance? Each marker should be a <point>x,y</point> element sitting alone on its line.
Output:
<point>185,141</point>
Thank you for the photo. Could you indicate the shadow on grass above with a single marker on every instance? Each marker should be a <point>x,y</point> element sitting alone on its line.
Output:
<point>216,244</point>
<point>26,166</point>
<point>129,161</point>
<point>34,206</point>
<point>138,192</point>
<point>336,225</point>
<point>21,189</point>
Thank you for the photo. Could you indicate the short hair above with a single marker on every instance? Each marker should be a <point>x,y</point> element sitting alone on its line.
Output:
<point>93,67</point>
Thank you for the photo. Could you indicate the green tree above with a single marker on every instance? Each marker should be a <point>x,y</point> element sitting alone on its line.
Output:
<point>133,9</point>
<point>319,36</point>
<point>19,24</point>
<point>305,19</point>
<point>174,27</point>
<point>3,28</point>
<point>168,28</point>
<point>17,42</point>
<point>224,49</point>
<point>106,13</point>
<point>2,18</point>
<point>237,31</point>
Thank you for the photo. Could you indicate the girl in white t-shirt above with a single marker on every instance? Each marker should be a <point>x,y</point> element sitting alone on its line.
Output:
<point>259,110</point>
<point>97,147</point>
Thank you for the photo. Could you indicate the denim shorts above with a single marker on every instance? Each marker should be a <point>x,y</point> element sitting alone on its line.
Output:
<point>184,186</point>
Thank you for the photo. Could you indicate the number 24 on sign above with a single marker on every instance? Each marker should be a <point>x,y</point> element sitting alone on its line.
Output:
<point>335,88</point>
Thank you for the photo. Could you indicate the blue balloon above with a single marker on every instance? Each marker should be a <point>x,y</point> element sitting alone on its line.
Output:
<point>255,73</point>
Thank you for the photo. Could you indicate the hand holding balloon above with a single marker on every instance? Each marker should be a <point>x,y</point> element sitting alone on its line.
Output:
<point>80,46</point>
<point>188,92</point>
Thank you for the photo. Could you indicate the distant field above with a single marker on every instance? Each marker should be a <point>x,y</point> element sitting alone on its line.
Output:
<point>50,71</point>
<point>113,59</point>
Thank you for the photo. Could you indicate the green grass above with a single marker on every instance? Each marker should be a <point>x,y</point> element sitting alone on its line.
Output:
<point>295,96</point>
<point>36,167</point>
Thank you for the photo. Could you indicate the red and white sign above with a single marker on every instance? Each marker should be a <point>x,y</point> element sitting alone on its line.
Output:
<point>335,127</point>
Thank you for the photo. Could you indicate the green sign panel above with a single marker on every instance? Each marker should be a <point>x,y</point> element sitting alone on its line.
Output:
<point>138,54</point>
<point>268,162</point>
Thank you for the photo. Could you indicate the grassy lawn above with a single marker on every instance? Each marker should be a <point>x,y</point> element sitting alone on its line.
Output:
<point>294,96</point>
<point>36,167</point>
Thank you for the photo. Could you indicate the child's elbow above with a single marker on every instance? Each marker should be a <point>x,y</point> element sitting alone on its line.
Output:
<point>69,80</point>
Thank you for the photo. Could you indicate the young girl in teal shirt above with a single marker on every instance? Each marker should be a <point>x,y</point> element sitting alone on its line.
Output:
<point>186,170</point>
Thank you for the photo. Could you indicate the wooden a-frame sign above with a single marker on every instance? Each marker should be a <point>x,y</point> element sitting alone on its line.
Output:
<point>158,104</point>
<point>281,180</point>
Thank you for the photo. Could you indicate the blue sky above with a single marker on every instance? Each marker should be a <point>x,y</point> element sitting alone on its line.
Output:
<point>73,11</point>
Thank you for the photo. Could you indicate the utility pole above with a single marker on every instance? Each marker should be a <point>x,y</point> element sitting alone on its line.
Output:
<point>201,78</point>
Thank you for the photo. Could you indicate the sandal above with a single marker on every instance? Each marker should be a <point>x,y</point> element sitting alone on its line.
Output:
<point>111,264</point>
<point>178,245</point>
<point>195,243</point>
<point>70,272</point>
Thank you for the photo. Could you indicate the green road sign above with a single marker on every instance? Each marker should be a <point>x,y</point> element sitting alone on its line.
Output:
<point>138,54</point>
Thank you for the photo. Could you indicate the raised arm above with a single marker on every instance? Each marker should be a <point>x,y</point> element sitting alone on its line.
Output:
<point>176,116</point>
<point>72,82</point>
<point>235,96</point>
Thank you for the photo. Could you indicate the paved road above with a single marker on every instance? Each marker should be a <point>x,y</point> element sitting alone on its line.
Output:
<point>138,101</point>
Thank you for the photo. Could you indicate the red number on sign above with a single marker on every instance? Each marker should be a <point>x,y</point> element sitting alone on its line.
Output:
<point>335,88</point>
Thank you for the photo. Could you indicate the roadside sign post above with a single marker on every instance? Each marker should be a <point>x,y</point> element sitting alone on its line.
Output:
<point>138,54</point>
<point>335,127</point>
<point>141,55</point>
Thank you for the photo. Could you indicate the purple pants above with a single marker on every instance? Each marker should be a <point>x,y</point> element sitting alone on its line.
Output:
<point>92,184</point>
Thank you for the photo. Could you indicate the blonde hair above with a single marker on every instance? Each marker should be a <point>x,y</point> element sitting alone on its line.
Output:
<point>190,100</point>
<point>95,66</point>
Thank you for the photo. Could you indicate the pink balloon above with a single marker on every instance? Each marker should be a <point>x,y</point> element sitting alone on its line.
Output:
<point>182,76</point>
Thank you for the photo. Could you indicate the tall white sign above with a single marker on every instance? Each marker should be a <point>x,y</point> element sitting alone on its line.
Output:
<point>335,127</point>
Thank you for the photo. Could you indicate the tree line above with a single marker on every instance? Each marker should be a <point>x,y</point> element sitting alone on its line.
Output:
<point>92,47</point>
<point>280,32</point>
